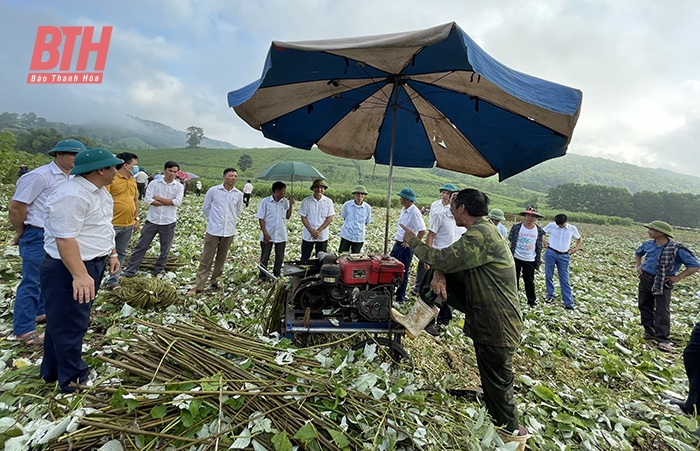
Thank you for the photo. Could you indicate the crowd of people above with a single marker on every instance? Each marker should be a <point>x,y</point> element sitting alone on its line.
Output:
<point>75,217</point>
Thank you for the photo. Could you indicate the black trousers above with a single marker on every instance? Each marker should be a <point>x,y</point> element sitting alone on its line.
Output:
<point>307,247</point>
<point>655,310</point>
<point>266,250</point>
<point>691,360</point>
<point>66,323</point>
<point>353,246</point>
<point>528,270</point>
<point>496,372</point>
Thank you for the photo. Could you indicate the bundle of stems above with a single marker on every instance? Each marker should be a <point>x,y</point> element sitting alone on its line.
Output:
<point>200,386</point>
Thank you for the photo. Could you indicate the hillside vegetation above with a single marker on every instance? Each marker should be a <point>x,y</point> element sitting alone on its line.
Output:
<point>573,168</point>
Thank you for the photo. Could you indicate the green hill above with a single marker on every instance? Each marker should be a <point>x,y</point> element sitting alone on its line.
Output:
<point>343,174</point>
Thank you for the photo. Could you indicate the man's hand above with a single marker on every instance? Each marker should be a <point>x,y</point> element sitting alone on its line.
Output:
<point>439,285</point>
<point>291,201</point>
<point>84,288</point>
<point>113,265</point>
<point>407,234</point>
<point>137,225</point>
<point>266,238</point>
<point>16,238</point>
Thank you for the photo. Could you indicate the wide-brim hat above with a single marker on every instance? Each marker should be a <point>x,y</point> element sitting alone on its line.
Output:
<point>67,145</point>
<point>319,182</point>
<point>497,214</point>
<point>532,210</point>
<point>661,226</point>
<point>92,159</point>
<point>448,187</point>
<point>407,193</point>
<point>359,189</point>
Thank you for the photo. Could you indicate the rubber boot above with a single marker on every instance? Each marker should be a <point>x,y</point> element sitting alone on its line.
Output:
<point>416,319</point>
<point>521,438</point>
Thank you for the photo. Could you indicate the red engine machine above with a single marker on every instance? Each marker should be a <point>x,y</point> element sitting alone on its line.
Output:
<point>358,287</point>
<point>344,294</point>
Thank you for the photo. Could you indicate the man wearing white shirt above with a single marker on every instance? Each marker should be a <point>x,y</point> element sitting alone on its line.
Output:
<point>496,216</point>
<point>412,219</point>
<point>163,196</point>
<point>79,244</point>
<point>357,214</point>
<point>441,205</point>
<point>273,213</point>
<point>247,191</point>
<point>526,245</point>
<point>26,211</point>
<point>316,213</point>
<point>558,254</point>
<point>442,233</point>
<point>222,206</point>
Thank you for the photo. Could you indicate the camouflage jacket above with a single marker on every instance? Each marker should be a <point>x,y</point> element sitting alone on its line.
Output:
<point>480,274</point>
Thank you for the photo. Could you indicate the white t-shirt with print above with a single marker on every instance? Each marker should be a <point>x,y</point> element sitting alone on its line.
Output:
<point>525,247</point>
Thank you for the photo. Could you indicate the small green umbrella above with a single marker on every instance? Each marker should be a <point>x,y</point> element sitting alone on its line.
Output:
<point>290,171</point>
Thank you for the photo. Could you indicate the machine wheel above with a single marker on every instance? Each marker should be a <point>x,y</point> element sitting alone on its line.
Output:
<point>390,349</point>
<point>313,296</point>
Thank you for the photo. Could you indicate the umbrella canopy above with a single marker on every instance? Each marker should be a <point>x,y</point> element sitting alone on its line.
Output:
<point>417,99</point>
<point>290,171</point>
<point>184,175</point>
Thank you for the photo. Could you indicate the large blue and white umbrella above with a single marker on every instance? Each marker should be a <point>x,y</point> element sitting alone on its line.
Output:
<point>416,99</point>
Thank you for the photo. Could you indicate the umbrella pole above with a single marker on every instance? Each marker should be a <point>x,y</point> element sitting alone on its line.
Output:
<point>394,108</point>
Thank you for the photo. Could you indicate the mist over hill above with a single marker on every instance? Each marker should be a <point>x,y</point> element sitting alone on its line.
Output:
<point>129,132</point>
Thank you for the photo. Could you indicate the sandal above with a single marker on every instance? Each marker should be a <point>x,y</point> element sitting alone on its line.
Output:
<point>31,339</point>
<point>192,292</point>
<point>114,287</point>
<point>666,347</point>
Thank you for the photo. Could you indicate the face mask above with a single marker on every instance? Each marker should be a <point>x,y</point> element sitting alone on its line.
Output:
<point>135,170</point>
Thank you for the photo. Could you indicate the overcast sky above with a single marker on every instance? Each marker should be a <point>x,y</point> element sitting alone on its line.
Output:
<point>173,61</point>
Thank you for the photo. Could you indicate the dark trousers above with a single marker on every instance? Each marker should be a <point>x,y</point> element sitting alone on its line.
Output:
<point>691,359</point>
<point>496,372</point>
<point>528,270</point>
<point>266,250</point>
<point>142,190</point>
<point>66,323</point>
<point>420,274</point>
<point>148,233</point>
<point>404,255</point>
<point>307,247</point>
<point>351,246</point>
<point>246,199</point>
<point>28,302</point>
<point>655,310</point>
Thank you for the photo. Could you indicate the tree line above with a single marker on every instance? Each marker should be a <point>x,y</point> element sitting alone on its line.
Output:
<point>679,209</point>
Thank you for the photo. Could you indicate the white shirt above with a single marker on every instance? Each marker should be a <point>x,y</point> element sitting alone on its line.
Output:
<point>411,218</point>
<point>316,212</point>
<point>247,188</point>
<point>35,187</point>
<point>501,228</point>
<point>166,214</point>
<point>275,216</point>
<point>80,210</point>
<point>525,247</point>
<point>560,237</point>
<point>445,228</point>
<point>436,208</point>
<point>222,208</point>
<point>356,217</point>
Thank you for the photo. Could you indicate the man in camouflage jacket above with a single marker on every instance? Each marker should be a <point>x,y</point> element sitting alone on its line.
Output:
<point>476,275</point>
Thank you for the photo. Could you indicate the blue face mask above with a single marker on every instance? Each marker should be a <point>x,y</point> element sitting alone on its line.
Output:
<point>135,170</point>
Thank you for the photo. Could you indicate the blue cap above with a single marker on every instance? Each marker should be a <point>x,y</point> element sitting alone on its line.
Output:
<point>448,187</point>
<point>92,159</point>
<point>408,193</point>
<point>67,145</point>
